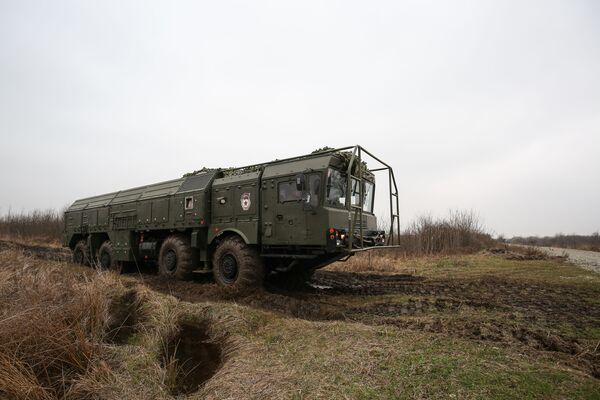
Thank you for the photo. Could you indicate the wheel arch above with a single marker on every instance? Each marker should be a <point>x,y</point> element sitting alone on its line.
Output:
<point>228,232</point>
<point>76,238</point>
<point>248,262</point>
<point>96,240</point>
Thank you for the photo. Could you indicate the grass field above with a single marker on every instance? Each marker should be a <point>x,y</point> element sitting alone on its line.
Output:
<point>464,327</point>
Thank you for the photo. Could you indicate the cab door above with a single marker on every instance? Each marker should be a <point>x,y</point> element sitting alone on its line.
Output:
<point>283,216</point>
<point>287,211</point>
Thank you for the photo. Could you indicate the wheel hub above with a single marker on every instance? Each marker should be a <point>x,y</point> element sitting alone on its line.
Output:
<point>228,268</point>
<point>105,260</point>
<point>171,260</point>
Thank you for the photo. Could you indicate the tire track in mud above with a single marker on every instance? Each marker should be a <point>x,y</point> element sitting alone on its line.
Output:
<point>432,306</point>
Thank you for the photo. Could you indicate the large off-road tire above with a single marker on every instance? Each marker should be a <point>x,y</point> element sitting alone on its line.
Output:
<point>105,259</point>
<point>81,253</point>
<point>237,265</point>
<point>175,258</point>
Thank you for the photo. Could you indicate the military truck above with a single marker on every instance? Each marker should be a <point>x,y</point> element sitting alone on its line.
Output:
<point>289,216</point>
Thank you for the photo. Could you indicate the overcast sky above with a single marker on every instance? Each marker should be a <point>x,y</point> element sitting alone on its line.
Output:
<point>486,105</point>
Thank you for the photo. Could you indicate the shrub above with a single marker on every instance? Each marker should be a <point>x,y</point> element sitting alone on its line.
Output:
<point>459,232</point>
<point>38,223</point>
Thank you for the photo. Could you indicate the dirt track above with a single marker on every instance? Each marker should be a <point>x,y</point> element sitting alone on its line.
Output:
<point>589,260</point>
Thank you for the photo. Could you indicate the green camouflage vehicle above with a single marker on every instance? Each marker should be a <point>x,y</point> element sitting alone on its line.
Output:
<point>288,216</point>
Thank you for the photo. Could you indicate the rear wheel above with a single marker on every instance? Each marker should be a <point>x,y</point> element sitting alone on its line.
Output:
<point>237,265</point>
<point>175,258</point>
<point>106,260</point>
<point>81,253</point>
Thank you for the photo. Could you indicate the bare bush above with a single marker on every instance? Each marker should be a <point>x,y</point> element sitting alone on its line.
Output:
<point>459,232</point>
<point>38,223</point>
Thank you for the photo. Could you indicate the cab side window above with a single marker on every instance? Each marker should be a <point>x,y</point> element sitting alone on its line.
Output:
<point>287,192</point>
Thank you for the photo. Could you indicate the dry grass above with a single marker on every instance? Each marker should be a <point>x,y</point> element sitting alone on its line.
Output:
<point>52,324</point>
<point>42,241</point>
<point>65,333</point>
<point>381,261</point>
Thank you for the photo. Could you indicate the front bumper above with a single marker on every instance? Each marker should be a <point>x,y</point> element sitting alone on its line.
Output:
<point>339,238</point>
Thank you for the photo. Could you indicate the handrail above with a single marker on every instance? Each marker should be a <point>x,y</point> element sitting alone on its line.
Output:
<point>356,211</point>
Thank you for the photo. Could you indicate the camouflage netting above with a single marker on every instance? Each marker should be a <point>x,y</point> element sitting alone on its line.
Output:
<point>199,171</point>
<point>232,171</point>
<point>345,156</point>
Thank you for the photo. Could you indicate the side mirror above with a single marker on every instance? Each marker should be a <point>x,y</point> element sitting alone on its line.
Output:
<point>306,201</point>
<point>300,182</point>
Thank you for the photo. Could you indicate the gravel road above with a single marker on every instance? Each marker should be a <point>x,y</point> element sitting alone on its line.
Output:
<point>586,259</point>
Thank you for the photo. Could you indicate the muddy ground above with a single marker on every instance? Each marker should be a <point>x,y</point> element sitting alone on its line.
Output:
<point>534,318</point>
<point>530,316</point>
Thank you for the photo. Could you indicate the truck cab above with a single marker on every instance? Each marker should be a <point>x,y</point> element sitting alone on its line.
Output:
<point>303,213</point>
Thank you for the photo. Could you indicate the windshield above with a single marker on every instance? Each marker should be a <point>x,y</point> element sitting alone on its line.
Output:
<point>336,191</point>
<point>369,193</point>
<point>336,188</point>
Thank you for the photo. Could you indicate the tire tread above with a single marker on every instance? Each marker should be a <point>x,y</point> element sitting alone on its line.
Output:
<point>251,271</point>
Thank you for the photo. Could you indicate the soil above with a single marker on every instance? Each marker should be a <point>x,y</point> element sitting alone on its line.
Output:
<point>124,317</point>
<point>194,357</point>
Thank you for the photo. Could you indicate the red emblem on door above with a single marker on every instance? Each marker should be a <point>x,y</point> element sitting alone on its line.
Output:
<point>245,201</point>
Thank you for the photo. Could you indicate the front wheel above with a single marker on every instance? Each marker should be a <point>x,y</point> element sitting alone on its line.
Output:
<point>237,265</point>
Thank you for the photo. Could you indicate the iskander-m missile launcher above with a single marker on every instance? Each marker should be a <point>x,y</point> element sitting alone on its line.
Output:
<point>288,216</point>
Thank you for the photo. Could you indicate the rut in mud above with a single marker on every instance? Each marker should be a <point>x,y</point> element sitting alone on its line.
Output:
<point>344,295</point>
<point>487,309</point>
